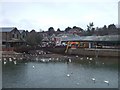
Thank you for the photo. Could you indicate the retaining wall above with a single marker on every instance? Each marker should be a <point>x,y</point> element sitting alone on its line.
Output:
<point>95,52</point>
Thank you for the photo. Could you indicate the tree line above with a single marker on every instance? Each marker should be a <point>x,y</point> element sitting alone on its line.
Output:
<point>90,30</point>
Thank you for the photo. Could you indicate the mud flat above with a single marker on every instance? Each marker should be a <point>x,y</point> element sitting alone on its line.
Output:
<point>6,55</point>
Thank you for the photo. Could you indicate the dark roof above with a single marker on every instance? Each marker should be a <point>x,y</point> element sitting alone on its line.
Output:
<point>21,31</point>
<point>6,29</point>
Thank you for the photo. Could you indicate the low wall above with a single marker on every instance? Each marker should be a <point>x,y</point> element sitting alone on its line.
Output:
<point>94,52</point>
<point>60,50</point>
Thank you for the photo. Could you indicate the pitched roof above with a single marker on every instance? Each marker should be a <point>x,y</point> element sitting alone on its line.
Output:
<point>21,31</point>
<point>6,29</point>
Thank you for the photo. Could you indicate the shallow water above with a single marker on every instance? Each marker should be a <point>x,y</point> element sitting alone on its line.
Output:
<point>54,74</point>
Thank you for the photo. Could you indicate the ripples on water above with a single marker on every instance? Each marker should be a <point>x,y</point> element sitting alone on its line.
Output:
<point>78,73</point>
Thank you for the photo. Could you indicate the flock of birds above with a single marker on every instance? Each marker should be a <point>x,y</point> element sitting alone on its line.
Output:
<point>105,81</point>
<point>70,60</point>
<point>93,79</point>
<point>10,60</point>
<point>44,60</point>
<point>49,59</point>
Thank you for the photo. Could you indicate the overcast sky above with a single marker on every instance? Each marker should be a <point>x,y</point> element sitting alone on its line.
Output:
<point>43,14</point>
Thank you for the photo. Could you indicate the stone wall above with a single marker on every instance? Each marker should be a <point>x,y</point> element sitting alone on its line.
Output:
<point>94,52</point>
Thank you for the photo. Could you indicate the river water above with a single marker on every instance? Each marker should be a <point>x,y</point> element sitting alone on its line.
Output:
<point>78,73</point>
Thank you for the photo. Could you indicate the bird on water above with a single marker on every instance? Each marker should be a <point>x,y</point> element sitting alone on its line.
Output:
<point>68,75</point>
<point>33,67</point>
<point>107,82</point>
<point>93,79</point>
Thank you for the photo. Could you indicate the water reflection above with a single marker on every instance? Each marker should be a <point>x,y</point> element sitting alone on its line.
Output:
<point>79,73</point>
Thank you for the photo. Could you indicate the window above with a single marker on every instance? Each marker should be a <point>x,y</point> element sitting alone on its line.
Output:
<point>13,35</point>
<point>17,35</point>
<point>23,36</point>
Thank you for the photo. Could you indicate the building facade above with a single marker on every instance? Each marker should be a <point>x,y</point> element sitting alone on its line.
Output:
<point>11,37</point>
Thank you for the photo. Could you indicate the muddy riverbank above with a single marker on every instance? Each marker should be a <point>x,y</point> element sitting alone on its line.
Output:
<point>40,55</point>
<point>33,56</point>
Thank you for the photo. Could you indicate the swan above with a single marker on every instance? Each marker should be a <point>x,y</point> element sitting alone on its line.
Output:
<point>87,57</point>
<point>90,59</point>
<point>15,62</point>
<point>50,59</point>
<point>93,79</point>
<point>76,55</point>
<point>33,67</point>
<point>81,58</point>
<point>14,58</point>
<point>5,62</point>
<point>70,60</point>
<point>107,82</point>
<point>68,75</point>
<point>57,59</point>
<point>43,60</point>
<point>10,59</point>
